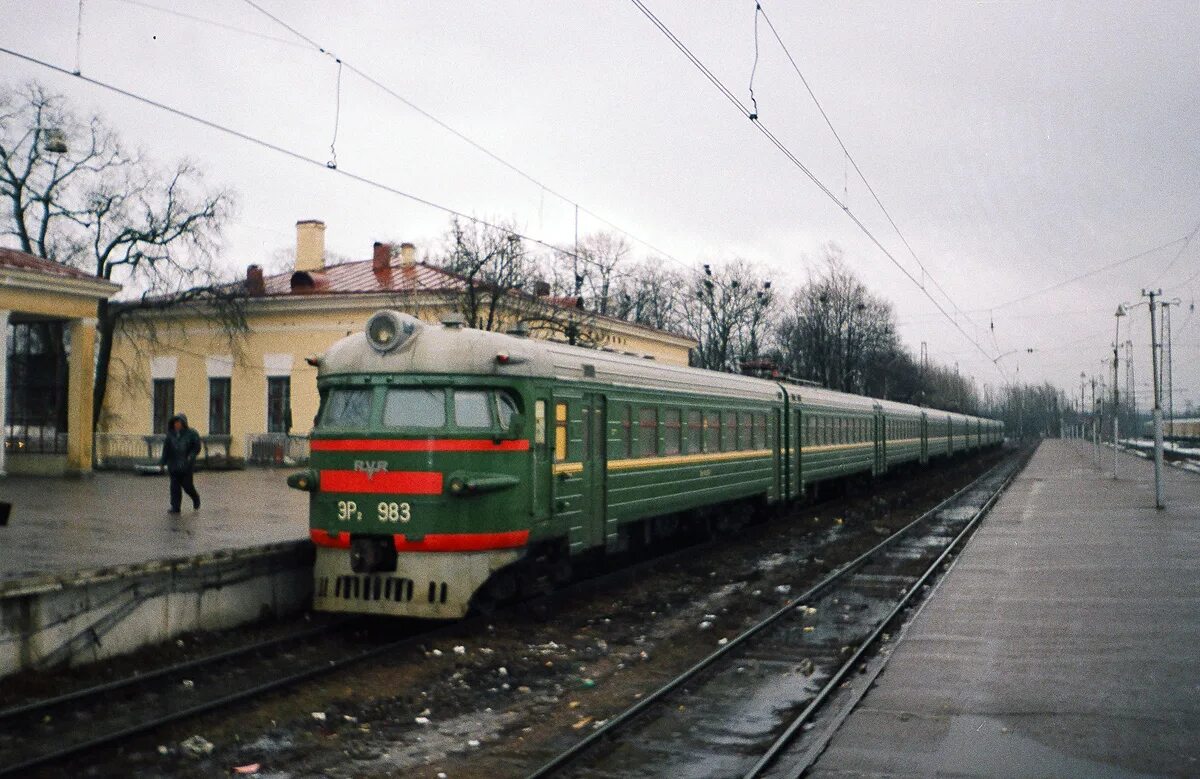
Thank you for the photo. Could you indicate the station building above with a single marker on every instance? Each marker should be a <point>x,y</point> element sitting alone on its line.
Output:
<point>252,396</point>
<point>48,326</point>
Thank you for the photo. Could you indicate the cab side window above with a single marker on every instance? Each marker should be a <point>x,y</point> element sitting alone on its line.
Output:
<point>560,432</point>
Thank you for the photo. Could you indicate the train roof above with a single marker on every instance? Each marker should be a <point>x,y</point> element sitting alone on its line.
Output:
<point>456,350</point>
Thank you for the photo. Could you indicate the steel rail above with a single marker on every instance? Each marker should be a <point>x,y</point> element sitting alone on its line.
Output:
<point>785,739</point>
<point>585,586</point>
<point>616,723</point>
<point>33,708</point>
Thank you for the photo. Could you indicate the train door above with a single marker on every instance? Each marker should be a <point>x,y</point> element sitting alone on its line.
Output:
<point>795,482</point>
<point>594,429</point>
<point>881,442</point>
<point>777,442</point>
<point>923,424</point>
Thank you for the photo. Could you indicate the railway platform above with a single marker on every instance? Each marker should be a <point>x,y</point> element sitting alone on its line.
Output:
<point>1065,641</point>
<point>95,567</point>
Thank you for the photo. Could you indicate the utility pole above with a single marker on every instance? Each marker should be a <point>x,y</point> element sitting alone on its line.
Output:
<point>1095,426</point>
<point>1159,500</point>
<point>1170,360</point>
<point>1116,393</point>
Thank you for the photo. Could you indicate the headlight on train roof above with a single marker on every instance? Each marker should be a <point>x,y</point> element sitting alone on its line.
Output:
<point>386,331</point>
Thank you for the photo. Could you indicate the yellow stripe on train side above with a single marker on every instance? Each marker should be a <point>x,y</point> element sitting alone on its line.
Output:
<point>682,459</point>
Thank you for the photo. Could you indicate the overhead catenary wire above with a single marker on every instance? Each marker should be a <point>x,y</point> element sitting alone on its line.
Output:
<point>1092,272</point>
<point>850,158</point>
<point>372,80</point>
<point>791,157</point>
<point>283,150</point>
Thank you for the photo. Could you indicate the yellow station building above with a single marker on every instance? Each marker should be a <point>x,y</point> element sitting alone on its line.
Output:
<point>252,396</point>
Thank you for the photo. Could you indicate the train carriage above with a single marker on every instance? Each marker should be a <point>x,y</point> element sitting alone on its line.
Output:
<point>903,432</point>
<point>454,467</point>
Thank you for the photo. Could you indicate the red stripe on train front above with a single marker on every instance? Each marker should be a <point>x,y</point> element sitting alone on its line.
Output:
<point>334,540</point>
<point>433,542</point>
<point>463,542</point>
<point>415,445</point>
<point>389,482</point>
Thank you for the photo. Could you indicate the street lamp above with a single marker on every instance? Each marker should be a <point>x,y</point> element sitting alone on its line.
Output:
<point>1116,393</point>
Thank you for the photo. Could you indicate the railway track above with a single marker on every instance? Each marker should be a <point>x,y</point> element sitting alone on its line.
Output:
<point>46,732</point>
<point>738,710</point>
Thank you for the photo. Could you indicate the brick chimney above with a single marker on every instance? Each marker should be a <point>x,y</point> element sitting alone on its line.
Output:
<point>381,257</point>
<point>310,245</point>
<point>255,286</point>
<point>408,255</point>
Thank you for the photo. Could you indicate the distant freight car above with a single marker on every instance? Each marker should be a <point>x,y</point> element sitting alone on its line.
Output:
<point>453,467</point>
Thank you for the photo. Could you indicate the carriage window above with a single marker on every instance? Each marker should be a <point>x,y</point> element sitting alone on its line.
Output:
<point>471,409</point>
<point>744,431</point>
<point>671,431</point>
<point>760,431</point>
<point>560,432</point>
<point>695,428</point>
<point>728,431</point>
<point>647,432</point>
<point>712,431</point>
<point>624,448</point>
<point>349,408</point>
<point>415,408</point>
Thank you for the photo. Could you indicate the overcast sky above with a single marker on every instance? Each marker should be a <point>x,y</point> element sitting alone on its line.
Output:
<point>1016,145</point>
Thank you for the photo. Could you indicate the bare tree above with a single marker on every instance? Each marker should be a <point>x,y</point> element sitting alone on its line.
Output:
<point>75,195</point>
<point>649,294</point>
<point>504,284</point>
<point>836,331</point>
<point>726,313</point>
<point>598,267</point>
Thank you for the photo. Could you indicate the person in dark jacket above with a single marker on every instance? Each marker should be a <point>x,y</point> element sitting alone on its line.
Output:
<point>180,450</point>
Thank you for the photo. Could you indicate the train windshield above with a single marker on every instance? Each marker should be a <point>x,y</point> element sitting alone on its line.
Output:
<point>347,408</point>
<point>424,408</point>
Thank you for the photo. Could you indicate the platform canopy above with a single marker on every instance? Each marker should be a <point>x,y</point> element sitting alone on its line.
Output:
<point>48,329</point>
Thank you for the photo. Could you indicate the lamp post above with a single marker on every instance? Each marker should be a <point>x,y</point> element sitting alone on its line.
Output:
<point>1082,382</point>
<point>1116,393</point>
<point>1159,500</point>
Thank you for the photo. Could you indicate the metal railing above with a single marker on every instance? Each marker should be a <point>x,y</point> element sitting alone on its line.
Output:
<point>34,439</point>
<point>127,451</point>
<point>276,449</point>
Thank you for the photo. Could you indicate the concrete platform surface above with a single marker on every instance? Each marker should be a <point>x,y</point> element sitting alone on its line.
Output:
<point>61,526</point>
<point>1064,643</point>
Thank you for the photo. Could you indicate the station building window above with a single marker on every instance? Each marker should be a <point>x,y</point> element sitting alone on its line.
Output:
<point>279,404</point>
<point>218,405</point>
<point>164,403</point>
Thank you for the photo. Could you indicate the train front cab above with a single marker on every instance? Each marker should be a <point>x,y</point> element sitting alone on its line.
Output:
<point>420,490</point>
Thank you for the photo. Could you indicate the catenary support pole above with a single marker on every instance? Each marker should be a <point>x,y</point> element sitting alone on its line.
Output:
<point>1159,498</point>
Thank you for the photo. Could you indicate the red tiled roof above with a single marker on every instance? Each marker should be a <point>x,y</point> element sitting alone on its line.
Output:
<point>11,258</point>
<point>361,277</point>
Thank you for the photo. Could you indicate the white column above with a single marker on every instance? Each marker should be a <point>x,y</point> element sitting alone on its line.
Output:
<point>3,385</point>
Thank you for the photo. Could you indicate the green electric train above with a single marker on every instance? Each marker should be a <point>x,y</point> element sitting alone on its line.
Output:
<point>453,467</point>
